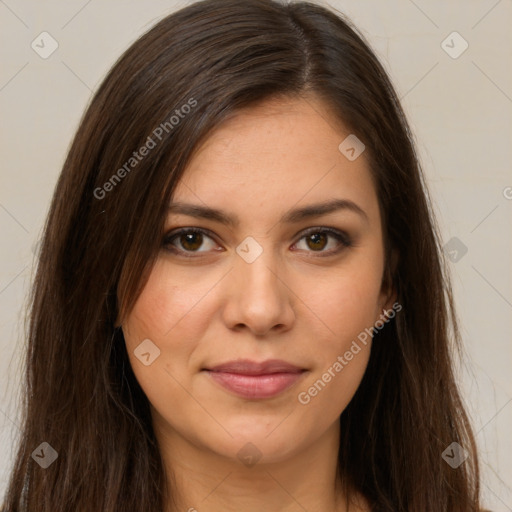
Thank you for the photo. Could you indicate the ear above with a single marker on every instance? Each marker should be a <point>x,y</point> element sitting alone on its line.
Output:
<point>120,315</point>
<point>118,320</point>
<point>388,293</point>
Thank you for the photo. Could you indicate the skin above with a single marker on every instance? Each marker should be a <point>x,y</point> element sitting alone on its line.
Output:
<point>291,303</point>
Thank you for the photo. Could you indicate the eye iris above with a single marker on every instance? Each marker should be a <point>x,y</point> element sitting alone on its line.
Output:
<point>191,241</point>
<point>319,240</point>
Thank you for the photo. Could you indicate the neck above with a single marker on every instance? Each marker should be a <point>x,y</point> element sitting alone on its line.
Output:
<point>202,480</point>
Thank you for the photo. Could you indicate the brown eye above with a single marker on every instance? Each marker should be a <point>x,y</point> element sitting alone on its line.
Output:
<point>191,241</point>
<point>317,241</point>
<point>188,241</point>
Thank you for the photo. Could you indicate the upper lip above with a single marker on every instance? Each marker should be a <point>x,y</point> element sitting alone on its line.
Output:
<point>248,367</point>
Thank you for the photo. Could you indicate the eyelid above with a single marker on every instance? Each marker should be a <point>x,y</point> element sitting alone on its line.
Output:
<point>341,236</point>
<point>168,237</point>
<point>337,233</point>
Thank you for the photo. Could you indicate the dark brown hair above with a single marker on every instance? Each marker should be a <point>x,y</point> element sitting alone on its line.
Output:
<point>104,231</point>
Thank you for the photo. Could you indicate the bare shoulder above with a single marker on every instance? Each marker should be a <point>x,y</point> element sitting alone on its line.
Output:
<point>358,503</point>
<point>361,504</point>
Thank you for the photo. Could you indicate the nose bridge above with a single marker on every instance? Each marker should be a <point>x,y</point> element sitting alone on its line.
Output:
<point>257,263</point>
<point>260,301</point>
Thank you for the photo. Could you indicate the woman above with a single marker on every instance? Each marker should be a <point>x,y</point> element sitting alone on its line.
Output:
<point>241,301</point>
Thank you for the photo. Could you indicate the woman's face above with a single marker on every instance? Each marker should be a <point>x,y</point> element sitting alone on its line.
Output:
<point>269,284</point>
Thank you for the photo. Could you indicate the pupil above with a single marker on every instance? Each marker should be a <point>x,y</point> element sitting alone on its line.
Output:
<point>316,238</point>
<point>192,241</point>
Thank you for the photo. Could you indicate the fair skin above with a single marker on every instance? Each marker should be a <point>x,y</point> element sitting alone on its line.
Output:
<point>304,300</point>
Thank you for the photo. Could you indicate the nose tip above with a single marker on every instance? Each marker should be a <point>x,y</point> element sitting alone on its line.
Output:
<point>259,299</point>
<point>259,331</point>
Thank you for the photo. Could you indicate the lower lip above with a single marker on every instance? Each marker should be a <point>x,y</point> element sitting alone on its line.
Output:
<point>256,386</point>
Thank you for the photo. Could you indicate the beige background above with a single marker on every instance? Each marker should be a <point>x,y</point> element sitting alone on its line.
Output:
<point>460,110</point>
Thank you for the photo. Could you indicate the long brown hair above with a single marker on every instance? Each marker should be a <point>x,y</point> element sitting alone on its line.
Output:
<point>166,93</point>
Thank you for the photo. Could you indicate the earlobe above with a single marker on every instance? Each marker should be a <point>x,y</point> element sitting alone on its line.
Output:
<point>390,299</point>
<point>389,309</point>
<point>389,293</point>
<point>117,322</point>
<point>119,317</point>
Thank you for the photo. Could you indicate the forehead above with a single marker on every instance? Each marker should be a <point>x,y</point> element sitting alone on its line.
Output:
<point>276,155</point>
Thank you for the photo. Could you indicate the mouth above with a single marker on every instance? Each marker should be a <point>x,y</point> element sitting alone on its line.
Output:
<point>253,380</point>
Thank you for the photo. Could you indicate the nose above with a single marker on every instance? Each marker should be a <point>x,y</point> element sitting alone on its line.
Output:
<point>258,297</point>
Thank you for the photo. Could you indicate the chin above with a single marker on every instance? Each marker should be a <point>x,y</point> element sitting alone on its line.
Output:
<point>265,445</point>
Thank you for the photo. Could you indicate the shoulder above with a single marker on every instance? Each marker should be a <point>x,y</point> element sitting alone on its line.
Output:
<point>359,503</point>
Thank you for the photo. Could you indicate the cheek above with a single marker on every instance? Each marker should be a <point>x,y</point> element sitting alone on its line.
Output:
<point>169,301</point>
<point>170,312</point>
<point>345,300</point>
<point>345,307</point>
<point>341,356</point>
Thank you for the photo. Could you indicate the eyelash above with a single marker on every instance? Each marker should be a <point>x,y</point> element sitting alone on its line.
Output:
<point>341,237</point>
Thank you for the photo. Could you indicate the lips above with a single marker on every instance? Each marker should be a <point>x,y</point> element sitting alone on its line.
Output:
<point>247,367</point>
<point>255,380</point>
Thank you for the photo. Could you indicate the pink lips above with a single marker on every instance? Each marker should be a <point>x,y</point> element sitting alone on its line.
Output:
<point>254,380</point>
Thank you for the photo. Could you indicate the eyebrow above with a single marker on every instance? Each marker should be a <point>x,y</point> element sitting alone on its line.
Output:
<point>293,216</point>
